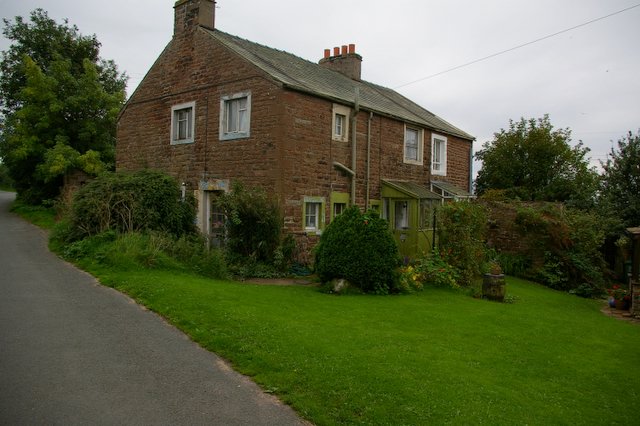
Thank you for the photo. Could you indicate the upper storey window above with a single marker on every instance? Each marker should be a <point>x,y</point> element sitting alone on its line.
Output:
<point>183,123</point>
<point>235,116</point>
<point>413,145</point>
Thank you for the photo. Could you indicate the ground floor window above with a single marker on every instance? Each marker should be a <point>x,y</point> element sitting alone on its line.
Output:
<point>313,214</point>
<point>427,211</point>
<point>338,208</point>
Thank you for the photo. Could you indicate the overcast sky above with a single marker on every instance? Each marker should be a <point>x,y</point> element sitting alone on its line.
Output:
<point>587,79</point>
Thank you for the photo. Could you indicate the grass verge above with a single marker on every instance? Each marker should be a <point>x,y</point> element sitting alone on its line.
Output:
<point>433,357</point>
<point>44,217</point>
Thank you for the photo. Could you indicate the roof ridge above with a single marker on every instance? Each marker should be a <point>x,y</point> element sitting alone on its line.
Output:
<point>301,74</point>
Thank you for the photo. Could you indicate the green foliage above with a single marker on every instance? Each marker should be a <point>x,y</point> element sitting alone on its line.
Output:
<point>621,182</point>
<point>434,270</point>
<point>6,183</point>
<point>533,161</point>
<point>254,224</point>
<point>42,216</point>
<point>59,106</point>
<point>126,202</point>
<point>461,234</point>
<point>359,248</point>
<point>514,264</point>
<point>147,250</point>
<point>570,242</point>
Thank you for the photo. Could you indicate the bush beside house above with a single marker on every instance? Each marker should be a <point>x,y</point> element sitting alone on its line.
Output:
<point>359,248</point>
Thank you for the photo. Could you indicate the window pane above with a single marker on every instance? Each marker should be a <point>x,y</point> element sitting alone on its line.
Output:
<point>402,214</point>
<point>232,116</point>
<point>182,124</point>
<point>338,208</point>
<point>243,115</point>
<point>311,215</point>
<point>411,144</point>
<point>426,214</point>
<point>339,130</point>
<point>437,153</point>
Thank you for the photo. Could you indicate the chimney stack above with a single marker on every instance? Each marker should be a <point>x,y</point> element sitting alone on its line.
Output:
<point>190,14</point>
<point>344,60</point>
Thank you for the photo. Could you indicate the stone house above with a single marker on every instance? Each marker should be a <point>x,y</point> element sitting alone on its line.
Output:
<point>216,108</point>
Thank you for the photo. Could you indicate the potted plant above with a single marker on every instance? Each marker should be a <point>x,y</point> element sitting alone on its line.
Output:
<point>619,296</point>
<point>493,283</point>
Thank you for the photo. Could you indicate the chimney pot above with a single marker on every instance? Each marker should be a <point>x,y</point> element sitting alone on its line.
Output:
<point>352,48</point>
<point>327,53</point>
<point>344,50</point>
<point>336,51</point>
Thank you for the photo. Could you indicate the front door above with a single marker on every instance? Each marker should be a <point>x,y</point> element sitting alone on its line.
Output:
<point>217,221</point>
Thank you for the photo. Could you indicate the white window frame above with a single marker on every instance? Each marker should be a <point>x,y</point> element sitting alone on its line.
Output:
<point>176,110</point>
<point>318,204</point>
<point>420,148</point>
<point>234,133</point>
<point>438,142</point>
<point>343,111</point>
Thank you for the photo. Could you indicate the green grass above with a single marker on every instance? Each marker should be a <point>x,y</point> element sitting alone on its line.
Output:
<point>435,357</point>
<point>44,217</point>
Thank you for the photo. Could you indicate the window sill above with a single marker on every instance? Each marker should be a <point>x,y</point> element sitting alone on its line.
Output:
<point>234,136</point>
<point>182,142</point>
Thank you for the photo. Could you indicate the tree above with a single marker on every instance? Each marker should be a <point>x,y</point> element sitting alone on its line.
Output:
<point>621,181</point>
<point>533,161</point>
<point>59,103</point>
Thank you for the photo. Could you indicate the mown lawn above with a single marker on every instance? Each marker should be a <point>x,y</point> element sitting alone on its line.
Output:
<point>435,357</point>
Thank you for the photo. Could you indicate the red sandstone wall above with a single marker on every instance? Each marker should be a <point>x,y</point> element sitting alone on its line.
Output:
<point>290,151</point>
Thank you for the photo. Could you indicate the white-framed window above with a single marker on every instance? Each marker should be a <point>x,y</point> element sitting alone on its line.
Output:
<point>340,123</point>
<point>183,123</point>
<point>235,116</point>
<point>438,155</point>
<point>313,215</point>
<point>413,145</point>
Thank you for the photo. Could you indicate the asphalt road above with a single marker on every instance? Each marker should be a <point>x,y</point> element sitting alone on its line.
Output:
<point>75,352</point>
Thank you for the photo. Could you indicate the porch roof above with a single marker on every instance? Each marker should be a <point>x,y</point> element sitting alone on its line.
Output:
<point>451,189</point>
<point>411,189</point>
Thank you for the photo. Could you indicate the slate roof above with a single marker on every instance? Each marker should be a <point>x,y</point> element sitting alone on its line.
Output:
<point>299,74</point>
<point>412,189</point>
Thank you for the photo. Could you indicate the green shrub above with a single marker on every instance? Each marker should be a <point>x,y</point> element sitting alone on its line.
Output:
<point>254,224</point>
<point>126,202</point>
<point>567,245</point>
<point>461,234</point>
<point>434,270</point>
<point>152,250</point>
<point>514,264</point>
<point>359,248</point>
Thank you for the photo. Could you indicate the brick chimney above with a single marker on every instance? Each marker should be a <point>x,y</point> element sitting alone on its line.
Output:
<point>190,14</point>
<point>344,60</point>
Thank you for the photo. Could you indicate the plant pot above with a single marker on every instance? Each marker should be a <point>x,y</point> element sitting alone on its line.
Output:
<point>623,305</point>
<point>494,287</point>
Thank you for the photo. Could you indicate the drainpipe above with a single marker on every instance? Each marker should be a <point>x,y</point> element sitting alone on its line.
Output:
<point>354,122</point>
<point>471,168</point>
<point>366,206</point>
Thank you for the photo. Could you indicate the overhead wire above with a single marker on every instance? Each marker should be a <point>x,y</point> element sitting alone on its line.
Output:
<point>502,52</point>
